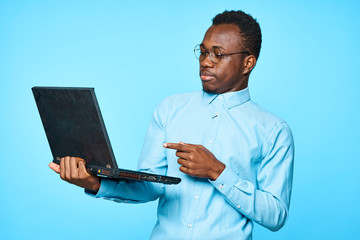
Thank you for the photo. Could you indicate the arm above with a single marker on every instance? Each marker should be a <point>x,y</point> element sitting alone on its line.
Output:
<point>267,200</point>
<point>73,170</point>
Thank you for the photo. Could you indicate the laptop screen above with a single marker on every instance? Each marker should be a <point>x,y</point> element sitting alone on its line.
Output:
<point>73,124</point>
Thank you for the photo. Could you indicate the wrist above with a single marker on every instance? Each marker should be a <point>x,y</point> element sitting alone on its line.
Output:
<point>96,186</point>
<point>218,170</point>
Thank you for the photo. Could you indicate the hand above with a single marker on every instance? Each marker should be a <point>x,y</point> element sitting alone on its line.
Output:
<point>73,170</point>
<point>196,160</point>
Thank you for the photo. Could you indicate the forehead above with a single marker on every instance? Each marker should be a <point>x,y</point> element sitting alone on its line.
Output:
<point>226,36</point>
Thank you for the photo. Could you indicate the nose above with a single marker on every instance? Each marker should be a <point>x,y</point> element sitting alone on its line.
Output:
<point>206,62</point>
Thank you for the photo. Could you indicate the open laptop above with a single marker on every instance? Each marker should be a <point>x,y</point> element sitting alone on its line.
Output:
<point>74,127</point>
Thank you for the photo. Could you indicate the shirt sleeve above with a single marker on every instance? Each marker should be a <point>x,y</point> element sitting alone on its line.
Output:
<point>152,160</point>
<point>267,201</point>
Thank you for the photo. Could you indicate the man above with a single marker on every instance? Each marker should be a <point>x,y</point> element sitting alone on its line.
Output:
<point>235,159</point>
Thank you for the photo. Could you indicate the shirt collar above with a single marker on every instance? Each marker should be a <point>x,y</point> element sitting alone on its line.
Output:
<point>232,99</point>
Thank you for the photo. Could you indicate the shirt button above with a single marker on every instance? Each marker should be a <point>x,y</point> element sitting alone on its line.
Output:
<point>210,141</point>
<point>196,197</point>
<point>221,186</point>
<point>238,206</point>
<point>189,225</point>
<point>221,97</point>
<point>216,115</point>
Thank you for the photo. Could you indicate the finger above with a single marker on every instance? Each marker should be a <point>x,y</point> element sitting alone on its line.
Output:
<point>185,170</point>
<point>74,171</point>
<point>181,154</point>
<point>177,146</point>
<point>62,168</point>
<point>55,167</point>
<point>67,168</point>
<point>193,145</point>
<point>183,162</point>
<point>82,169</point>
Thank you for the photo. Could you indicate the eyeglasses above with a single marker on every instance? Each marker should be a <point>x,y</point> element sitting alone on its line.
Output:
<point>215,54</point>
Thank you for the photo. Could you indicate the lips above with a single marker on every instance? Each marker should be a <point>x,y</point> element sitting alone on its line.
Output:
<point>206,76</point>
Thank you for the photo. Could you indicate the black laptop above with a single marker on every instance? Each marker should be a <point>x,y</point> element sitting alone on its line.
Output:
<point>74,127</point>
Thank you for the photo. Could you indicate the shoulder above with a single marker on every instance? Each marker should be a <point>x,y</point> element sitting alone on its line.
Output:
<point>174,103</point>
<point>264,119</point>
<point>262,114</point>
<point>272,129</point>
<point>178,100</point>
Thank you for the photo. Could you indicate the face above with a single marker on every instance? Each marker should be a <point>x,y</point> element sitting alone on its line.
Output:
<point>229,74</point>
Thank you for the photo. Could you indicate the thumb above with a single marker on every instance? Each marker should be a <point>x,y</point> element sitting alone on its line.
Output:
<point>55,167</point>
<point>82,167</point>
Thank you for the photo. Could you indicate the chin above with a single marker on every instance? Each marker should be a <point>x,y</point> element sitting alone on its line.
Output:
<point>209,89</point>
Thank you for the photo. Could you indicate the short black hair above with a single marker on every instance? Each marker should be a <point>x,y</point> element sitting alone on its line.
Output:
<point>249,29</point>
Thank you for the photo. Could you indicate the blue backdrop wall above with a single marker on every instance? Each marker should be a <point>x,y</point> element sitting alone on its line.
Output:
<point>137,53</point>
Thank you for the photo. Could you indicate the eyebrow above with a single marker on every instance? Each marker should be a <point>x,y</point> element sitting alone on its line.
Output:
<point>202,45</point>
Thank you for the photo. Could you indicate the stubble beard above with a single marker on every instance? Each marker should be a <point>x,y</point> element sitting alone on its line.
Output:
<point>208,89</point>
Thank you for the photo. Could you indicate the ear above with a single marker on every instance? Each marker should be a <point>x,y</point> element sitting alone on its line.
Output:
<point>249,64</point>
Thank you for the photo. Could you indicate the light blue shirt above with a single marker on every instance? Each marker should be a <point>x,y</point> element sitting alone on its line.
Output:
<point>256,147</point>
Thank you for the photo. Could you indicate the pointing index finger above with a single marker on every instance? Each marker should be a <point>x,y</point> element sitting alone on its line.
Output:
<point>176,146</point>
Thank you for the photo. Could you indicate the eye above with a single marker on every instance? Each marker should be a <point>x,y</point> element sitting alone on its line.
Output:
<point>217,52</point>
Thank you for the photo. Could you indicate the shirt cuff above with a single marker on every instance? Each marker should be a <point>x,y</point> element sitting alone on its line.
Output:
<point>106,187</point>
<point>107,191</point>
<point>226,180</point>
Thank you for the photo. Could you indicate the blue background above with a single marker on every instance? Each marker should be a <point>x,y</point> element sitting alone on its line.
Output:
<point>137,53</point>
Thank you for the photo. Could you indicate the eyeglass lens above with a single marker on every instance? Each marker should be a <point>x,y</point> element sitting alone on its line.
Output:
<point>214,54</point>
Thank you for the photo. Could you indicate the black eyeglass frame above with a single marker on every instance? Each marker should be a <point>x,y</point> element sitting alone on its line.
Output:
<point>219,56</point>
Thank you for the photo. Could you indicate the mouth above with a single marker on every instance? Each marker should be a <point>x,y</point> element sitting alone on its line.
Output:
<point>206,76</point>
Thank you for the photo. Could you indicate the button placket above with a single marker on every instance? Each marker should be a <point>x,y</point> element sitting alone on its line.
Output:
<point>214,122</point>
